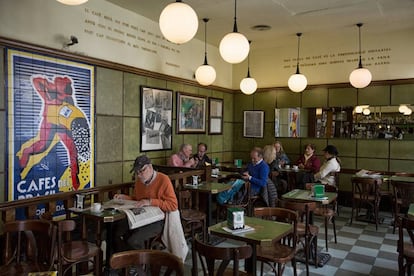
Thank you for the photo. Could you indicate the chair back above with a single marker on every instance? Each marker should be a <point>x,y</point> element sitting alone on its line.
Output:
<point>404,174</point>
<point>403,193</point>
<point>332,188</point>
<point>304,209</point>
<point>208,255</point>
<point>152,261</point>
<point>185,200</point>
<point>364,188</point>
<point>28,247</point>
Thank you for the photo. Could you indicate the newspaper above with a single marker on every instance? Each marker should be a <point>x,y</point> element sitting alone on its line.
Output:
<point>137,216</point>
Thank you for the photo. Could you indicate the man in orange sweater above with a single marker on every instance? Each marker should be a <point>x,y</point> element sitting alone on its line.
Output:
<point>152,188</point>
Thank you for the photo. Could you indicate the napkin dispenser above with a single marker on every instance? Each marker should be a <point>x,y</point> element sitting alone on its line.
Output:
<point>319,190</point>
<point>235,218</point>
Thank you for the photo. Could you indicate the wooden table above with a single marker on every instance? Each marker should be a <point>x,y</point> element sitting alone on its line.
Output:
<point>305,195</point>
<point>209,189</point>
<point>292,176</point>
<point>264,232</point>
<point>223,176</point>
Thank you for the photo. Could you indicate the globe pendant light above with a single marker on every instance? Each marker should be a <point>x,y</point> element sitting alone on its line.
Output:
<point>360,77</point>
<point>248,85</point>
<point>297,82</point>
<point>72,2</point>
<point>234,47</point>
<point>178,22</point>
<point>205,74</point>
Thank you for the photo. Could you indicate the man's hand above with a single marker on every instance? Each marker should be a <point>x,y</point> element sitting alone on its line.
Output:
<point>143,202</point>
<point>246,176</point>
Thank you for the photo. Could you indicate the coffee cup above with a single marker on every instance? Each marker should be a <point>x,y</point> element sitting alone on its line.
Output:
<point>287,167</point>
<point>215,171</point>
<point>96,207</point>
<point>295,167</point>
<point>195,180</point>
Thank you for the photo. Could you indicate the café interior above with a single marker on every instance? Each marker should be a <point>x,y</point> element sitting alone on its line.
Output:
<point>301,72</point>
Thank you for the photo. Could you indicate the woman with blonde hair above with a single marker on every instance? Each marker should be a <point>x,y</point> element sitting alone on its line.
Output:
<point>270,157</point>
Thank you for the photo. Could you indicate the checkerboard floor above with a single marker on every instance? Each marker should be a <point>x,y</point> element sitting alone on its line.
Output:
<point>361,249</point>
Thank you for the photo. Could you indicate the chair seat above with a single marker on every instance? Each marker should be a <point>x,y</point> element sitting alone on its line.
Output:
<point>278,253</point>
<point>230,272</point>
<point>192,215</point>
<point>366,198</point>
<point>324,212</point>
<point>409,250</point>
<point>76,250</point>
<point>314,230</point>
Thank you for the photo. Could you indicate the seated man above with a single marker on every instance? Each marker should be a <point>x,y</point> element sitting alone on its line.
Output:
<point>152,188</point>
<point>201,157</point>
<point>183,157</point>
<point>257,171</point>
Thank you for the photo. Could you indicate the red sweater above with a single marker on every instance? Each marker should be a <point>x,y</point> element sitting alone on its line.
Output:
<point>160,192</point>
<point>313,163</point>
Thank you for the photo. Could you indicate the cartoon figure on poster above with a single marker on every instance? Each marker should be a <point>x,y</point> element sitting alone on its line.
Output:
<point>294,124</point>
<point>61,122</point>
<point>51,131</point>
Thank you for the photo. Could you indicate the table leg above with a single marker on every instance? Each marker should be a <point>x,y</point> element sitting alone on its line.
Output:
<point>109,242</point>
<point>250,263</point>
<point>209,211</point>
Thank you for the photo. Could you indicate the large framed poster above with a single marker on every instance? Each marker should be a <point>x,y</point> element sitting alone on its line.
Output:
<point>50,125</point>
<point>156,114</point>
<point>191,113</point>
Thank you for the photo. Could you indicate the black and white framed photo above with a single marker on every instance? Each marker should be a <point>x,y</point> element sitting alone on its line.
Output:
<point>191,113</point>
<point>215,107</point>
<point>156,116</point>
<point>253,123</point>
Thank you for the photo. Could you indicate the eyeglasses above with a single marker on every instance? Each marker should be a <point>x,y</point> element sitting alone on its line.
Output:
<point>142,170</point>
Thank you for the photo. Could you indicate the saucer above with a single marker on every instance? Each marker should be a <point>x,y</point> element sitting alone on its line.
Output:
<point>98,211</point>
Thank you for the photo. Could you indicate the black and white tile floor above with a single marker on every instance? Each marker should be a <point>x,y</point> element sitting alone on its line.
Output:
<point>361,249</point>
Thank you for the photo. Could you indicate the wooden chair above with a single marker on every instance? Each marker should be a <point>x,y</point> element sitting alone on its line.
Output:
<point>403,197</point>
<point>366,191</point>
<point>405,249</point>
<point>147,261</point>
<point>208,255</point>
<point>190,218</point>
<point>280,251</point>
<point>28,247</point>
<point>307,233</point>
<point>72,252</point>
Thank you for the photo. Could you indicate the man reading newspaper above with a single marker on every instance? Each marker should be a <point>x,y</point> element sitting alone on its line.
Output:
<point>152,188</point>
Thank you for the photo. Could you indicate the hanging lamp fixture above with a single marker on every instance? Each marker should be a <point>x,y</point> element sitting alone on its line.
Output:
<point>205,74</point>
<point>234,47</point>
<point>178,22</point>
<point>297,82</point>
<point>72,2</point>
<point>248,85</point>
<point>361,77</point>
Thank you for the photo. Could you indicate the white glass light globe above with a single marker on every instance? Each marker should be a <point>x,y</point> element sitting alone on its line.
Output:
<point>205,74</point>
<point>358,109</point>
<point>72,2</point>
<point>248,86</point>
<point>408,111</point>
<point>178,22</point>
<point>297,82</point>
<point>402,108</point>
<point>366,111</point>
<point>234,47</point>
<point>360,78</point>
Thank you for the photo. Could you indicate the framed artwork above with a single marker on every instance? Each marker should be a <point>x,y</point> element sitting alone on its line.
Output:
<point>191,114</point>
<point>277,122</point>
<point>156,114</point>
<point>253,123</point>
<point>294,122</point>
<point>215,107</point>
<point>51,115</point>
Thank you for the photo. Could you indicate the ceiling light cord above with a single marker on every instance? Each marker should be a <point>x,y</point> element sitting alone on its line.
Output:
<point>248,63</point>
<point>205,40</point>
<point>297,60</point>
<point>235,30</point>
<point>360,58</point>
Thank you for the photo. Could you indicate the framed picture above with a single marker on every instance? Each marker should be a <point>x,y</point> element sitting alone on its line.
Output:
<point>215,107</point>
<point>156,116</point>
<point>191,114</point>
<point>294,122</point>
<point>253,123</point>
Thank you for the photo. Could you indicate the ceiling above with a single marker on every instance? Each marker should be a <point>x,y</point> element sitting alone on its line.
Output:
<point>316,18</point>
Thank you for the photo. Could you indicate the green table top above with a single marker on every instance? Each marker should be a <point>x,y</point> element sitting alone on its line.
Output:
<point>208,187</point>
<point>264,231</point>
<point>305,195</point>
<point>411,210</point>
<point>402,178</point>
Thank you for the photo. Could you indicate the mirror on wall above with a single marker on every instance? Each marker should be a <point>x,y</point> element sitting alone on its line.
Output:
<point>361,122</point>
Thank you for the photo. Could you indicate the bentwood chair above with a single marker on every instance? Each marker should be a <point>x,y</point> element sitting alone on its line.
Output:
<point>147,262</point>
<point>191,219</point>
<point>281,251</point>
<point>403,197</point>
<point>29,247</point>
<point>208,256</point>
<point>366,192</point>
<point>307,233</point>
<point>73,252</point>
<point>405,248</point>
